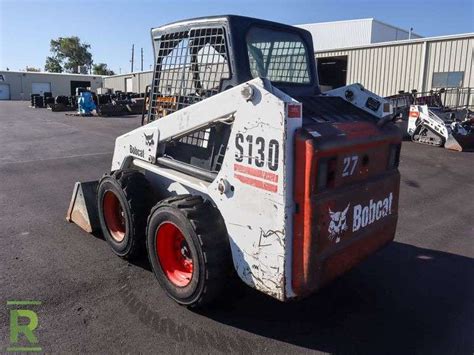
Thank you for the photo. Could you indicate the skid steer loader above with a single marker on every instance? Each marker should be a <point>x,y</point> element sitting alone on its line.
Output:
<point>426,127</point>
<point>244,167</point>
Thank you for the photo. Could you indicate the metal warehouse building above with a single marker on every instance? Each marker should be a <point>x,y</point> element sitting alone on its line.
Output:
<point>383,58</point>
<point>20,85</point>
<point>133,82</point>
<point>375,54</point>
<point>350,33</point>
<point>386,68</point>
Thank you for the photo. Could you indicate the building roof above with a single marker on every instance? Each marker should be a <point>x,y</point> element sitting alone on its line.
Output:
<point>48,73</point>
<point>403,41</point>
<point>129,74</point>
<point>359,20</point>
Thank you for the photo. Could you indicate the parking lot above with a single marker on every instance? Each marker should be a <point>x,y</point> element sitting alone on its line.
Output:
<point>415,296</point>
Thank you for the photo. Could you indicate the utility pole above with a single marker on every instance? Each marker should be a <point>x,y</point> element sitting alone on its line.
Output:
<point>141,67</point>
<point>133,51</point>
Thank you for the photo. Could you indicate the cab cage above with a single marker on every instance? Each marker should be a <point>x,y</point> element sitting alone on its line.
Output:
<point>190,66</point>
<point>198,58</point>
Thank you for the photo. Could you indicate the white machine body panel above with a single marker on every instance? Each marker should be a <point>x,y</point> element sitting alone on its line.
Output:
<point>359,96</point>
<point>254,188</point>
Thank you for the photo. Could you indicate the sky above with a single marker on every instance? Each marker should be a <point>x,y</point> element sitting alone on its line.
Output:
<point>112,26</point>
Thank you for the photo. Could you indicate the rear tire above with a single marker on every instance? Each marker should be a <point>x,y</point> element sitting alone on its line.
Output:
<point>124,200</point>
<point>188,249</point>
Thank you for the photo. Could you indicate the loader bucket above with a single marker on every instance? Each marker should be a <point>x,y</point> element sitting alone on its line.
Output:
<point>83,207</point>
<point>460,142</point>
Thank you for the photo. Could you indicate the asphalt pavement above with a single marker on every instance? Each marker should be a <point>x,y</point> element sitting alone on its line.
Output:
<point>414,296</point>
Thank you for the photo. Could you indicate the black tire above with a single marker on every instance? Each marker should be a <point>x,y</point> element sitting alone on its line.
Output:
<point>207,243</point>
<point>134,194</point>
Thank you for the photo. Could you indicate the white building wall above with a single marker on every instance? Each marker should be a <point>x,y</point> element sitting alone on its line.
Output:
<point>115,82</point>
<point>351,33</point>
<point>140,80</point>
<point>406,65</point>
<point>384,68</point>
<point>339,34</point>
<point>451,56</point>
<point>146,78</point>
<point>21,82</point>
<point>382,32</point>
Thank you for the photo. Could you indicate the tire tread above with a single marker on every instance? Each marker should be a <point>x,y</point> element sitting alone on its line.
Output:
<point>139,195</point>
<point>212,235</point>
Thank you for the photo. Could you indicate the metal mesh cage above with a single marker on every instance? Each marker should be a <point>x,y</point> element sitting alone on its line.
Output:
<point>199,139</point>
<point>278,56</point>
<point>189,68</point>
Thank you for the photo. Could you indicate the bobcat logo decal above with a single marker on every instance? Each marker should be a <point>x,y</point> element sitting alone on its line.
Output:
<point>149,139</point>
<point>338,224</point>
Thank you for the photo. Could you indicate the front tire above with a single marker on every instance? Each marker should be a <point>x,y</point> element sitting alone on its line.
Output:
<point>124,200</point>
<point>188,249</point>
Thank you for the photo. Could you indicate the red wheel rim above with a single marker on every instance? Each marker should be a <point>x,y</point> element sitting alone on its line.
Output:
<point>174,254</point>
<point>114,216</point>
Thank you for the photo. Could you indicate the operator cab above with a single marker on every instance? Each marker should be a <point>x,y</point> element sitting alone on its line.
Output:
<point>198,58</point>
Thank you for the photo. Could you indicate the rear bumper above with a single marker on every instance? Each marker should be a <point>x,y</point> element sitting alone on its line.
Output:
<point>346,190</point>
<point>346,256</point>
<point>319,257</point>
<point>335,228</point>
<point>320,268</point>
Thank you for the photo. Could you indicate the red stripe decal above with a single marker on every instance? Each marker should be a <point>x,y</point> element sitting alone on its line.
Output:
<point>256,183</point>
<point>256,172</point>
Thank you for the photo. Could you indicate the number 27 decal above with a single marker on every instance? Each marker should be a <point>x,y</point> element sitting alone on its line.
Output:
<point>350,164</point>
<point>256,151</point>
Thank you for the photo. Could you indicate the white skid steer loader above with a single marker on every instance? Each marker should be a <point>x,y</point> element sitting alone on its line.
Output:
<point>426,127</point>
<point>244,167</point>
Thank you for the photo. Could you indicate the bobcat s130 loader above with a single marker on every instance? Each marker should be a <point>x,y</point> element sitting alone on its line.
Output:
<point>245,168</point>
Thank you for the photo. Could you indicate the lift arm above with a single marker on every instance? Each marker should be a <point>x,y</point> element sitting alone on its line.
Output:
<point>144,143</point>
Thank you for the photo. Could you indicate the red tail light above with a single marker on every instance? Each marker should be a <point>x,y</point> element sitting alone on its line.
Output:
<point>294,110</point>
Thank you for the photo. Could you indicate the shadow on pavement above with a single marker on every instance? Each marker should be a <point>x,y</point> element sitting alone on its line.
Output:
<point>142,261</point>
<point>405,299</point>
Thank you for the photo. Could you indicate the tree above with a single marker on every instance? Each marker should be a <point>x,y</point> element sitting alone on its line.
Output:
<point>53,65</point>
<point>69,53</point>
<point>33,69</point>
<point>101,69</point>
